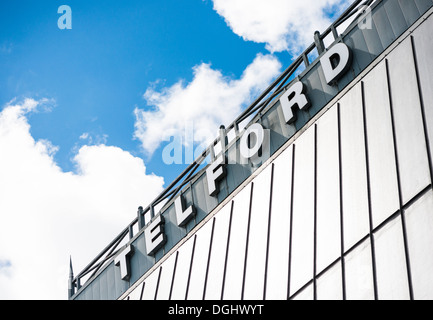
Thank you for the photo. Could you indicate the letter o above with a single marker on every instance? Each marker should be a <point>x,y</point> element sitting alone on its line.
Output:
<point>252,152</point>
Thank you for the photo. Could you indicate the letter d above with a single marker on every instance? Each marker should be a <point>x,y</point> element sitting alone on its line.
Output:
<point>335,62</point>
<point>216,309</point>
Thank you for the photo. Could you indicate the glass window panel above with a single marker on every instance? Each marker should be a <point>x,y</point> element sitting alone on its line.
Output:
<point>328,191</point>
<point>302,256</point>
<point>237,245</point>
<point>411,145</point>
<point>150,285</point>
<point>424,47</point>
<point>330,284</point>
<point>359,273</point>
<point>166,278</point>
<point>183,266</point>
<point>381,156</point>
<point>258,237</point>
<point>218,254</point>
<point>419,226</point>
<point>392,282</point>
<point>199,263</point>
<point>279,236</point>
<point>353,167</point>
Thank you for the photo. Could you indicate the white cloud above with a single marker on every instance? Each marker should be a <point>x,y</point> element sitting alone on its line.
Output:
<point>280,24</point>
<point>208,101</point>
<point>47,214</point>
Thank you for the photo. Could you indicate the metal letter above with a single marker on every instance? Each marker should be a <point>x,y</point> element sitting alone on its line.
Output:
<point>154,235</point>
<point>251,149</point>
<point>183,216</point>
<point>123,261</point>
<point>335,62</point>
<point>294,97</point>
<point>214,173</point>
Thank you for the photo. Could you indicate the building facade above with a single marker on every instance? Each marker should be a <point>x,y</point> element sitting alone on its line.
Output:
<point>326,194</point>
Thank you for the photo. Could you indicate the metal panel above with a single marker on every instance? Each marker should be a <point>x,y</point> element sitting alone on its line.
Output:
<point>236,172</point>
<point>328,190</point>
<point>410,11</point>
<point>419,226</point>
<point>96,293</point>
<point>104,285</point>
<point>200,262</point>
<point>305,294</point>
<point>279,232</point>
<point>381,155</point>
<point>151,284</point>
<point>111,292</point>
<point>353,167</point>
<point>392,280</point>
<point>396,17</point>
<point>166,278</point>
<point>183,267</point>
<point>423,5</point>
<point>373,42</point>
<point>136,293</point>
<point>302,251</point>
<point>359,273</point>
<point>330,284</point>
<point>120,285</point>
<point>140,261</point>
<point>218,254</point>
<point>411,145</point>
<point>203,202</point>
<point>172,231</point>
<point>280,132</point>
<point>423,42</point>
<point>361,56</point>
<point>258,237</point>
<point>237,245</point>
<point>383,26</point>
<point>316,93</point>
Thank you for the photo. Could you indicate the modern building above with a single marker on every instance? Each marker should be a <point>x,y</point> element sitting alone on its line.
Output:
<point>326,193</point>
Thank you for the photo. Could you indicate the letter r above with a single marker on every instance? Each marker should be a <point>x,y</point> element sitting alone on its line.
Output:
<point>294,97</point>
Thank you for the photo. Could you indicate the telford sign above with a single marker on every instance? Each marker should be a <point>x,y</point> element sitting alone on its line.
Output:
<point>254,147</point>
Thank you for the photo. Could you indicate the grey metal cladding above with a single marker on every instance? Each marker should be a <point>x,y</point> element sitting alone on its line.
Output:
<point>219,249</point>
<point>279,231</point>
<point>380,141</point>
<point>407,113</point>
<point>418,222</point>
<point>359,273</point>
<point>392,283</point>
<point>383,26</point>
<point>410,10</point>
<point>237,245</point>
<point>398,24</point>
<point>423,47</point>
<point>353,167</point>
<point>199,264</point>
<point>257,237</point>
<point>328,190</point>
<point>302,245</point>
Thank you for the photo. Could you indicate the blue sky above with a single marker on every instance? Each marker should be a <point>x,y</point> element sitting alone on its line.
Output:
<point>97,72</point>
<point>86,113</point>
